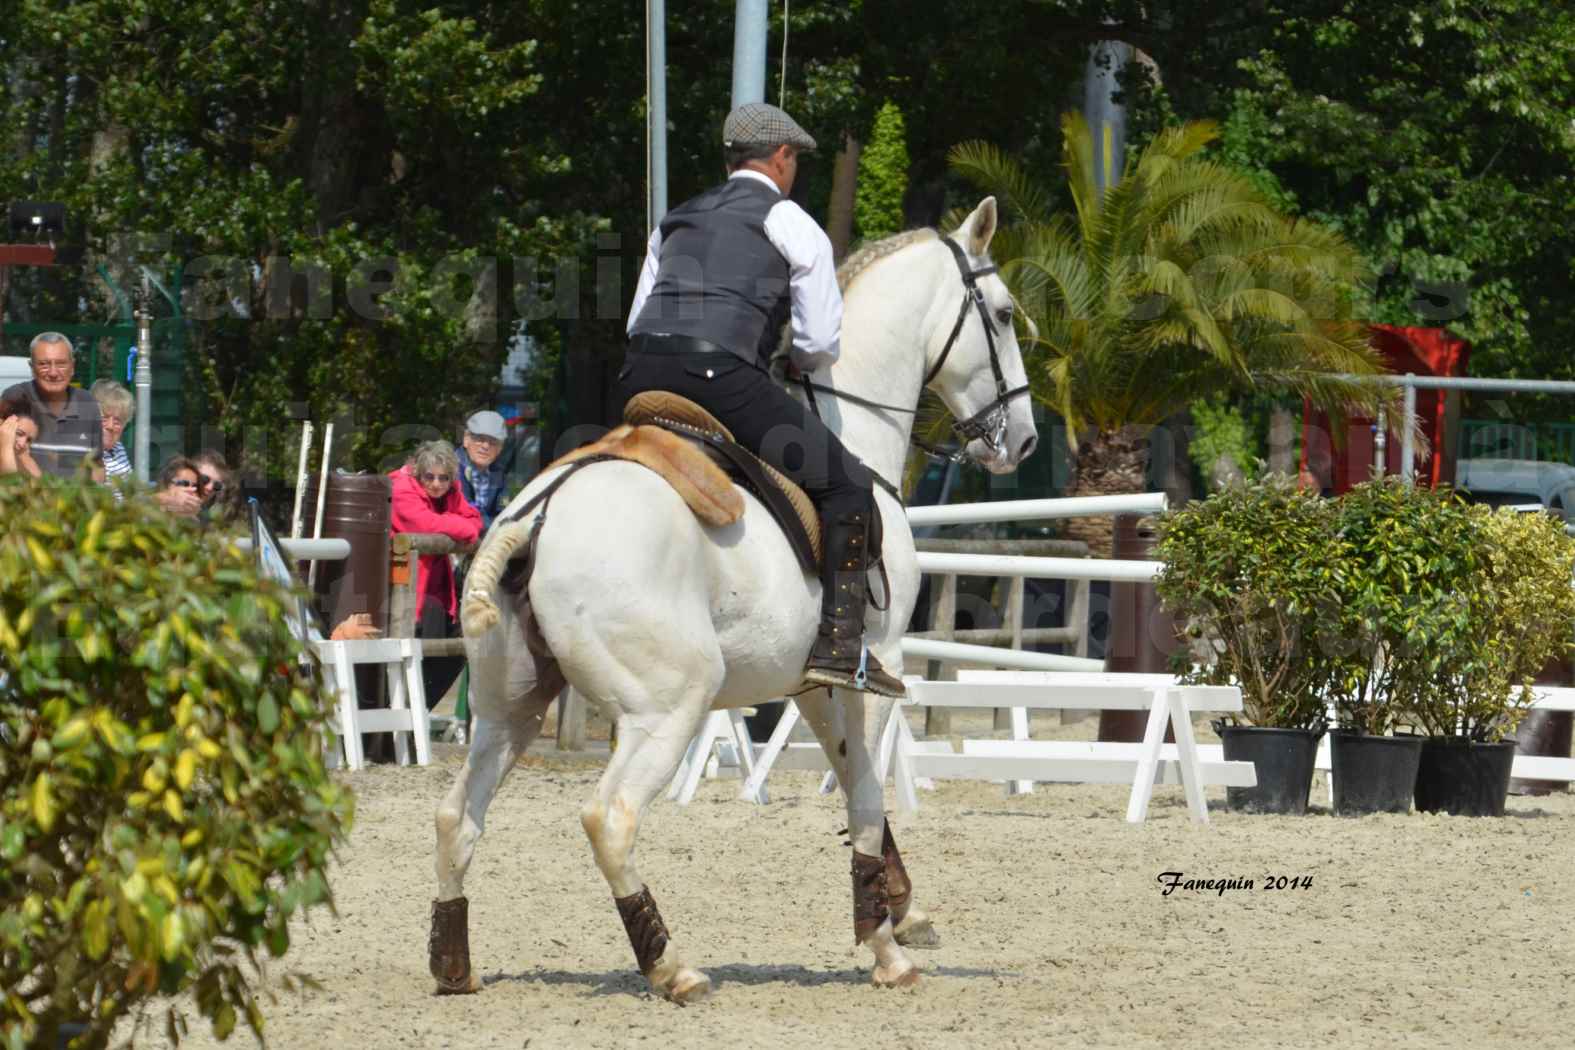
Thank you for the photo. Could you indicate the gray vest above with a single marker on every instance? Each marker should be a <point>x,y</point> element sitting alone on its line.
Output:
<point>719,277</point>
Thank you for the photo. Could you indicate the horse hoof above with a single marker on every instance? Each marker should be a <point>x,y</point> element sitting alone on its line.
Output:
<point>690,988</point>
<point>908,978</point>
<point>918,933</point>
<point>469,986</point>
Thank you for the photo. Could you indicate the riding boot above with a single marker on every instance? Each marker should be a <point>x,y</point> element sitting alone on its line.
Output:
<point>839,658</point>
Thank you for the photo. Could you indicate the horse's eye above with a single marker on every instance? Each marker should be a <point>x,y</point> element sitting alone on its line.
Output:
<point>1004,315</point>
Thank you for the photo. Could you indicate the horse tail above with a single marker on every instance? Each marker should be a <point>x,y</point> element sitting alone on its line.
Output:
<point>479,612</point>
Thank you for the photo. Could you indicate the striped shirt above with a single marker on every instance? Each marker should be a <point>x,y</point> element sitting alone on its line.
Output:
<point>117,468</point>
<point>116,461</point>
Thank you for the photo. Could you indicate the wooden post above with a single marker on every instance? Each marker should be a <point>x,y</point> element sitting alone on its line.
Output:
<point>938,720</point>
<point>1014,623</point>
<point>401,587</point>
<point>1077,619</point>
<point>571,720</point>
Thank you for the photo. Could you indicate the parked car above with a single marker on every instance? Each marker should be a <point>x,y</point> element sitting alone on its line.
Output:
<point>1526,484</point>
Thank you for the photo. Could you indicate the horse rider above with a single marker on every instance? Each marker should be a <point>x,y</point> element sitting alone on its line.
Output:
<point>723,273</point>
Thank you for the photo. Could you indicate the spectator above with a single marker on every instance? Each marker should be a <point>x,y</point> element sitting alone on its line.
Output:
<point>480,473</point>
<point>67,416</point>
<point>425,499</point>
<point>115,405</point>
<point>177,490</point>
<point>17,431</point>
<point>216,485</point>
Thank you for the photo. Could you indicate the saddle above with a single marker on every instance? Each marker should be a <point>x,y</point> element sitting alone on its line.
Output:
<point>694,453</point>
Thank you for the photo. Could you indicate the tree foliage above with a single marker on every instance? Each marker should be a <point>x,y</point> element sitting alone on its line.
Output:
<point>164,808</point>
<point>1437,139</point>
<point>1178,282</point>
<point>883,176</point>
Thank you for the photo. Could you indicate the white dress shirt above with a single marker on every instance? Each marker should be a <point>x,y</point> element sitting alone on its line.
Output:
<point>812,277</point>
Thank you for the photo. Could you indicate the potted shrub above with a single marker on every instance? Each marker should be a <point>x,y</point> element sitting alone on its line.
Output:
<point>1249,571</point>
<point>1408,565</point>
<point>1519,615</point>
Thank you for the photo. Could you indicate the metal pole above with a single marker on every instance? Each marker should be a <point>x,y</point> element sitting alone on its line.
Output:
<point>1380,444</point>
<point>656,107</point>
<point>1408,421</point>
<point>142,451</point>
<point>749,52</point>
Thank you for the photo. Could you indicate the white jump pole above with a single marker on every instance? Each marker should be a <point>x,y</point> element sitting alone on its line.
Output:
<point>1039,568</point>
<point>300,479</point>
<point>306,550</point>
<point>993,656</point>
<point>322,498</point>
<point>1038,509</point>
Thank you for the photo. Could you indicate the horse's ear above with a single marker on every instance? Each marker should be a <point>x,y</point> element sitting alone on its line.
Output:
<point>980,227</point>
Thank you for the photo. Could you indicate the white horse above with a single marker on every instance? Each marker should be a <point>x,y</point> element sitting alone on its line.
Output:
<point>659,618</point>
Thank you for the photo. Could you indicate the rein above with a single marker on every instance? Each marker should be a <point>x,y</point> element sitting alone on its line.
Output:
<point>989,423</point>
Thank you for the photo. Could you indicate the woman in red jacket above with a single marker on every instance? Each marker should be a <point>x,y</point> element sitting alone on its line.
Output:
<point>426,499</point>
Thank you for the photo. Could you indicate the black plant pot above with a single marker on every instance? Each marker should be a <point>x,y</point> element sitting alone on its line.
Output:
<point>1284,760</point>
<point>1464,778</point>
<point>1373,774</point>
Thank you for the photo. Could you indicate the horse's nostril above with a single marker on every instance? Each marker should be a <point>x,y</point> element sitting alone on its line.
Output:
<point>1028,449</point>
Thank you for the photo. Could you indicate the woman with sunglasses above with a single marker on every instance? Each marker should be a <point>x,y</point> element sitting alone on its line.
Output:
<point>177,488</point>
<point>426,499</point>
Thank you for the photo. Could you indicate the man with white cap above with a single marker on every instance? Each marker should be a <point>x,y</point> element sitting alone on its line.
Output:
<point>723,273</point>
<point>480,474</point>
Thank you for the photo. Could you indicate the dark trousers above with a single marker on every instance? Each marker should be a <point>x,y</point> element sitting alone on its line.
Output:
<point>762,417</point>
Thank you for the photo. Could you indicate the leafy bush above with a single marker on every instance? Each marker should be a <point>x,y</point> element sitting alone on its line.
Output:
<point>1522,613</point>
<point>164,808</point>
<point>1251,570</point>
<point>1405,618</point>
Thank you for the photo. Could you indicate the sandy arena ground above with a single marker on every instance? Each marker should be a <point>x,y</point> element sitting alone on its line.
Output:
<point>1417,931</point>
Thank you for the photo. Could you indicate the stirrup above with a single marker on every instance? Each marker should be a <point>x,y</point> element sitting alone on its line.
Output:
<point>861,678</point>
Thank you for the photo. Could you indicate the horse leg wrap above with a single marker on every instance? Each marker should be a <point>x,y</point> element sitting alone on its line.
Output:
<point>898,888</point>
<point>448,946</point>
<point>643,923</point>
<point>869,895</point>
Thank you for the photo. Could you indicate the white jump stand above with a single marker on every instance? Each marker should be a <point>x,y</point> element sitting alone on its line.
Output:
<point>407,698</point>
<point>720,727</point>
<point>1023,761</point>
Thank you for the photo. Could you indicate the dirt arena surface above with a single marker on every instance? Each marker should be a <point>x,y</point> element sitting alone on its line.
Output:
<point>1417,931</point>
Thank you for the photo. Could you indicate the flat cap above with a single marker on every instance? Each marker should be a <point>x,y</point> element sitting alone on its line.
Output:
<point>487,424</point>
<point>762,124</point>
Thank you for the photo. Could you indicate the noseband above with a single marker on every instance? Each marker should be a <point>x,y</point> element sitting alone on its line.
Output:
<point>989,423</point>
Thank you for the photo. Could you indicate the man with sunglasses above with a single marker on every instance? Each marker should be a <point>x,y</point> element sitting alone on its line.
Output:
<point>69,429</point>
<point>216,486</point>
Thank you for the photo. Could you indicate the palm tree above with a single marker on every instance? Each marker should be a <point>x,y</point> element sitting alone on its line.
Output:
<point>1176,283</point>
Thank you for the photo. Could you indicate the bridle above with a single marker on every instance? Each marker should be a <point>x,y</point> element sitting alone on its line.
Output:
<point>989,423</point>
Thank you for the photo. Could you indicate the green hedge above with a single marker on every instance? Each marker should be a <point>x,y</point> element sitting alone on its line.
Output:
<point>164,807</point>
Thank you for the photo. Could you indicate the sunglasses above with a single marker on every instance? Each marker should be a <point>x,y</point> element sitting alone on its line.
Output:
<point>205,481</point>
<point>182,483</point>
<point>436,477</point>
